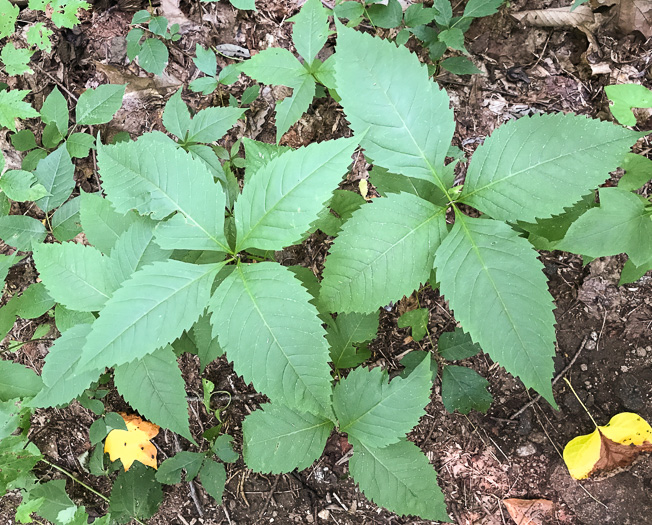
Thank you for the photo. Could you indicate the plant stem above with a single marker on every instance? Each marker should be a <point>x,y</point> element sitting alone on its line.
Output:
<point>91,489</point>
<point>580,402</point>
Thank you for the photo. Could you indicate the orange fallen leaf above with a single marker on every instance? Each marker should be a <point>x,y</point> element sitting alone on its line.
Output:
<point>530,511</point>
<point>134,443</point>
<point>616,444</point>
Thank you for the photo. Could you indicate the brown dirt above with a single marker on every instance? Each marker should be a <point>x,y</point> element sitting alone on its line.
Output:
<point>481,459</point>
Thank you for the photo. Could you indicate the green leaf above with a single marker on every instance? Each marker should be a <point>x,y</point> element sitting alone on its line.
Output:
<point>176,117</point>
<point>417,320</point>
<point>135,494</point>
<point>55,172</point>
<point>536,166</point>
<point>80,144</point>
<point>344,332</point>
<point>38,35</point>
<point>17,380</point>
<point>273,336</point>
<point>140,17</point>
<point>23,140</point>
<point>8,17</point>
<point>386,16</point>
<point>21,231</point>
<point>77,276</point>
<point>638,171</point>
<point>310,30</point>
<point>158,25</point>
<point>205,85</point>
<point>12,106</point>
<point>51,137</point>
<point>102,225</point>
<point>386,182</point>
<point>290,109</point>
<point>278,205</point>
<point>33,302</point>
<point>223,449</point>
<point>343,204</point>
<point>65,12</point>
<point>460,66</point>
<point>457,345</point>
<point>65,319</point>
<point>169,472</point>
<point>55,111</point>
<point>277,439</point>
<point>98,106</point>
<point>275,66</point>
<point>134,249</point>
<point>205,60</point>
<point>17,458</point>
<point>243,4</point>
<point>249,95</point>
<point>367,266</point>
<point>133,42</point>
<point>16,60</point>
<point>208,347</point>
<point>453,38</point>
<point>463,389</point>
<point>408,122</point>
<point>624,97</point>
<point>545,234</point>
<point>378,412</point>
<point>154,387</point>
<point>480,8</point>
<point>10,414</point>
<point>258,154</point>
<point>213,479</point>
<point>445,10</point>
<point>61,376</point>
<point>622,224</point>
<point>399,478</point>
<point>210,124</point>
<point>153,56</point>
<point>149,311</point>
<point>416,15</point>
<point>632,273</point>
<point>349,10</point>
<point>495,284</point>
<point>21,186</point>
<point>33,158</point>
<point>152,177</point>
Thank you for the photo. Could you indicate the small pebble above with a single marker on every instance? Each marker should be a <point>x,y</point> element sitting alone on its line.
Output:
<point>641,352</point>
<point>324,514</point>
<point>624,369</point>
<point>584,367</point>
<point>526,450</point>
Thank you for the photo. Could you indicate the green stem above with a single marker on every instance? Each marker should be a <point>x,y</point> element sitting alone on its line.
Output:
<point>91,489</point>
<point>580,402</point>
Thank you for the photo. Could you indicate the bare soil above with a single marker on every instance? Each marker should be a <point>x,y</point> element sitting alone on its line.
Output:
<point>604,332</point>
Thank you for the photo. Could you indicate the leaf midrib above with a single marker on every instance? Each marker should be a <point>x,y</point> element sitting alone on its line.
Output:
<point>252,297</point>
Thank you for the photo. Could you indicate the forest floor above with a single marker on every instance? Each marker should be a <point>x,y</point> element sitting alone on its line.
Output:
<point>604,332</point>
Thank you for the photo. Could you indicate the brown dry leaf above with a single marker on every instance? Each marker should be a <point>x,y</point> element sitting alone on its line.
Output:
<point>557,17</point>
<point>635,15</point>
<point>133,444</point>
<point>530,511</point>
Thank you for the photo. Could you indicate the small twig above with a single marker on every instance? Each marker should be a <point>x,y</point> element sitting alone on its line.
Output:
<point>56,82</point>
<point>557,378</point>
<point>269,497</point>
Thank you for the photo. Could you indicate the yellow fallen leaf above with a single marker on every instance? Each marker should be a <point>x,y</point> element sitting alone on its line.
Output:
<point>616,444</point>
<point>134,443</point>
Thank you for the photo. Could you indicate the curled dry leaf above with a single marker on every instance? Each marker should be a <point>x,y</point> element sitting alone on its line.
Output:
<point>616,444</point>
<point>530,511</point>
<point>132,444</point>
<point>557,17</point>
<point>635,15</point>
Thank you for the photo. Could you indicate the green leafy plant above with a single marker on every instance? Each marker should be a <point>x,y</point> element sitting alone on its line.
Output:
<point>280,67</point>
<point>152,52</point>
<point>180,259</point>
<point>435,27</point>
